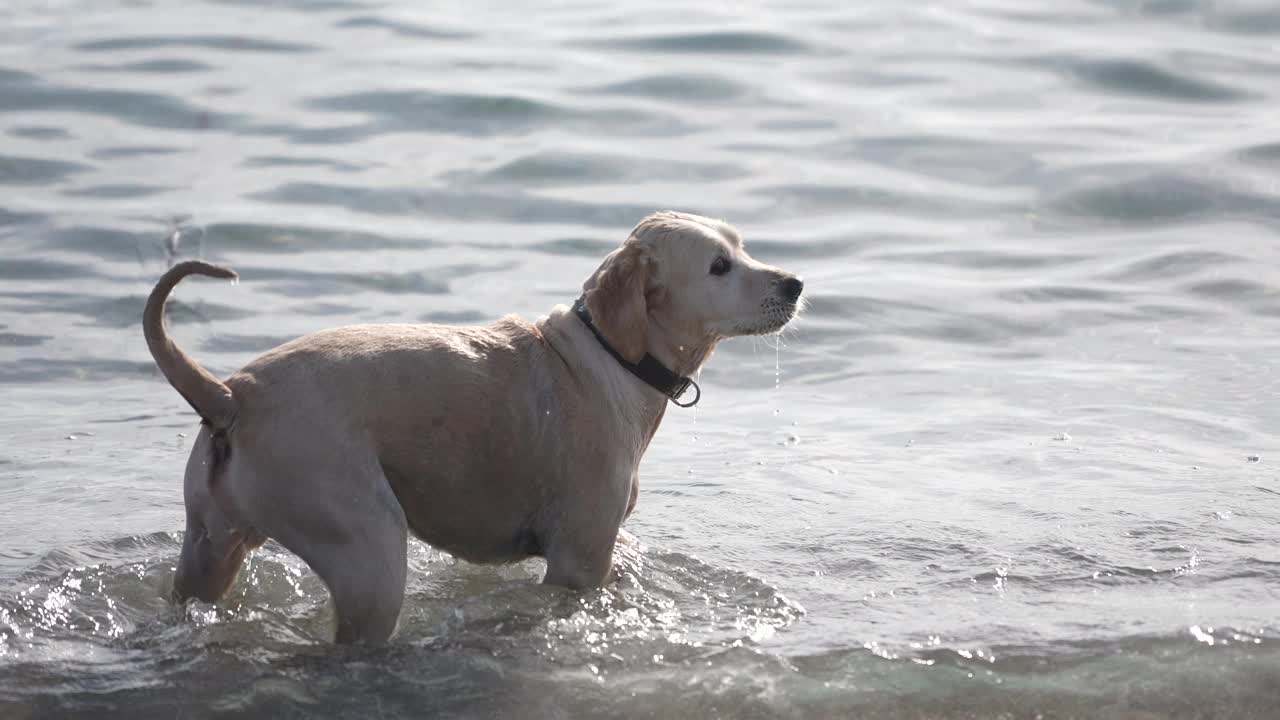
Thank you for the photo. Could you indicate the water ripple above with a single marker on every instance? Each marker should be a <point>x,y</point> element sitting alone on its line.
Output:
<point>455,204</point>
<point>426,111</point>
<point>719,42</point>
<point>686,86</point>
<point>36,171</point>
<point>405,29</point>
<point>238,42</point>
<point>24,93</point>
<point>1132,78</point>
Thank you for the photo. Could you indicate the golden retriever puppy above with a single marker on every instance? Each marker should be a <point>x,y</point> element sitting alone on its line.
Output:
<point>493,443</point>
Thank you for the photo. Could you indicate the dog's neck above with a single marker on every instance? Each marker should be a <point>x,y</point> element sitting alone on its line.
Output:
<point>589,362</point>
<point>684,355</point>
<point>649,369</point>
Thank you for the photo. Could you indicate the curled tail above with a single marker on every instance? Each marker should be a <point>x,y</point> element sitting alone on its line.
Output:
<point>210,397</point>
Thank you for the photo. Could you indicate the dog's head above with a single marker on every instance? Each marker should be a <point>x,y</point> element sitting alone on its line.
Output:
<point>680,284</point>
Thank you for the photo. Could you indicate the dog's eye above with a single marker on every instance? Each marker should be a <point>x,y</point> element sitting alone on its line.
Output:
<point>720,266</point>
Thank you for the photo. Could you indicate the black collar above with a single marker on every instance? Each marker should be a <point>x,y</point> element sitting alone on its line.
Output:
<point>649,369</point>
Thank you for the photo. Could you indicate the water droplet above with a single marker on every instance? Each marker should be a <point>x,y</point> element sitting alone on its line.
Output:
<point>235,281</point>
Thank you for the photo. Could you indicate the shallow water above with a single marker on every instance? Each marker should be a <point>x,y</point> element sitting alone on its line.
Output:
<point>1016,458</point>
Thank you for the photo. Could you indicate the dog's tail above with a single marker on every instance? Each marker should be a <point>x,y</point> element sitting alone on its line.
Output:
<point>210,397</point>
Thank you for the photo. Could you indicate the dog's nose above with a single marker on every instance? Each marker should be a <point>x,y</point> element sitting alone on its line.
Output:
<point>791,288</point>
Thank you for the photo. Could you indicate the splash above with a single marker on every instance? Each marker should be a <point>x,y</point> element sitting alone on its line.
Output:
<point>179,228</point>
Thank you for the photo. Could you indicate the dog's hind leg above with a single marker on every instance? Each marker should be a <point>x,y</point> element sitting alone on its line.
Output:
<point>366,582</point>
<point>211,558</point>
<point>360,553</point>
<point>311,487</point>
<point>213,547</point>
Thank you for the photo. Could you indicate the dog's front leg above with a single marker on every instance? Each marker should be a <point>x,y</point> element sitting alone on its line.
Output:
<point>581,562</point>
<point>572,565</point>
<point>578,545</point>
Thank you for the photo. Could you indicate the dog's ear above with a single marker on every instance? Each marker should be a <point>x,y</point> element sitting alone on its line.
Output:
<point>615,297</point>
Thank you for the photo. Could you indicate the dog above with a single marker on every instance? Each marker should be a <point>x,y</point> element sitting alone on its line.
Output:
<point>493,443</point>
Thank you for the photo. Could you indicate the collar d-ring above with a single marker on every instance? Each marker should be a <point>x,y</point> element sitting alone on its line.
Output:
<point>675,398</point>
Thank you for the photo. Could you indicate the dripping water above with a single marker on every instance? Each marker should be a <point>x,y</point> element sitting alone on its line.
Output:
<point>693,433</point>
<point>777,376</point>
